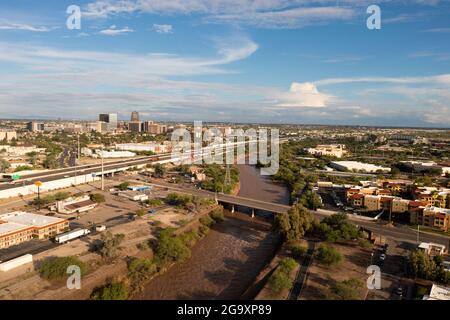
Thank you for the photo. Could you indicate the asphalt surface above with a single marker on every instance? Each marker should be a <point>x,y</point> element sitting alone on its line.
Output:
<point>302,272</point>
<point>86,169</point>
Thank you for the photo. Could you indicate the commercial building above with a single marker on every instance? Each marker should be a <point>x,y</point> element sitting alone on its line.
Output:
<point>356,166</point>
<point>135,126</point>
<point>133,195</point>
<point>17,227</point>
<point>17,151</point>
<point>333,150</point>
<point>110,119</point>
<point>35,126</point>
<point>154,128</point>
<point>151,146</point>
<point>135,116</point>
<point>75,205</point>
<point>7,135</point>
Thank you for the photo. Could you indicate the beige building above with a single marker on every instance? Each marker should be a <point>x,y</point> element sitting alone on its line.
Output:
<point>372,203</point>
<point>400,205</point>
<point>334,150</point>
<point>434,217</point>
<point>7,135</point>
<point>17,227</point>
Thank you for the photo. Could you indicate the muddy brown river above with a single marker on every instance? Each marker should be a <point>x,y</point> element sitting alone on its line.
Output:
<point>225,263</point>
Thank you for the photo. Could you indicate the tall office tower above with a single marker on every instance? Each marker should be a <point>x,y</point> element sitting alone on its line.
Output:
<point>135,126</point>
<point>110,119</point>
<point>35,126</point>
<point>135,116</point>
<point>146,126</point>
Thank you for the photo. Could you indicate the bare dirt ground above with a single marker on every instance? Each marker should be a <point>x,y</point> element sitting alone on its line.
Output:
<point>353,266</point>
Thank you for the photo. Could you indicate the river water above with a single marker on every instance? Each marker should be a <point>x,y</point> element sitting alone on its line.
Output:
<point>225,263</point>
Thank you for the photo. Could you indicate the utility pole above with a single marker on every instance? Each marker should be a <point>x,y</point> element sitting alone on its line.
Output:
<point>103,177</point>
<point>78,151</point>
<point>418,233</point>
<point>227,180</point>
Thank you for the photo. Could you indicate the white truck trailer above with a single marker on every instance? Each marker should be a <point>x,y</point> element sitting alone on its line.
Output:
<point>73,234</point>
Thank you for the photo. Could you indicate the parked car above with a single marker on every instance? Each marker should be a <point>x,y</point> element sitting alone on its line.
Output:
<point>382,257</point>
<point>399,291</point>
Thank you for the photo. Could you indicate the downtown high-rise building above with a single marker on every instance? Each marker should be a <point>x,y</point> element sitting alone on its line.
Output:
<point>134,116</point>
<point>110,119</point>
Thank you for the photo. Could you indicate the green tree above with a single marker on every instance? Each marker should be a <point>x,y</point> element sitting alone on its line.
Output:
<point>171,248</point>
<point>114,290</point>
<point>279,281</point>
<point>33,157</point>
<point>123,186</point>
<point>328,255</point>
<point>110,244</point>
<point>311,200</point>
<point>4,165</point>
<point>347,289</point>
<point>140,270</point>
<point>141,212</point>
<point>295,223</point>
<point>97,197</point>
<point>55,268</point>
<point>160,170</point>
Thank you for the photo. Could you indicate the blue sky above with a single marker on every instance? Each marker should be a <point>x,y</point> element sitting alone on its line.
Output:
<point>270,61</point>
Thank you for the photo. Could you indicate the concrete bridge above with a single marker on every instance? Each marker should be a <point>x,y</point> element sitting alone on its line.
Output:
<point>229,199</point>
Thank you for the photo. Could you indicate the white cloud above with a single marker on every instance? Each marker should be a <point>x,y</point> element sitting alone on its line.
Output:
<point>23,27</point>
<point>302,95</point>
<point>163,28</point>
<point>437,79</point>
<point>262,13</point>
<point>113,31</point>
<point>438,30</point>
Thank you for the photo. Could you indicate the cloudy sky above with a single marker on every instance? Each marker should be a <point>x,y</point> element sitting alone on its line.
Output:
<point>270,61</point>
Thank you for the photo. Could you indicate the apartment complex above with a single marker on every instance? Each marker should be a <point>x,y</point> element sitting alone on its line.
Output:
<point>17,227</point>
<point>434,217</point>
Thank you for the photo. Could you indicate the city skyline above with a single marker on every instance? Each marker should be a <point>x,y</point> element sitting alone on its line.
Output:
<point>297,62</point>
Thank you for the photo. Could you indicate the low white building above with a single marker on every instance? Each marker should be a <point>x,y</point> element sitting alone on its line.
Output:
<point>356,166</point>
<point>133,195</point>
<point>75,205</point>
<point>432,249</point>
<point>438,293</point>
<point>151,146</point>
<point>334,150</point>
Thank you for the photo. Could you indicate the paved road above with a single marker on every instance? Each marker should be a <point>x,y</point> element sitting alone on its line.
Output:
<point>86,169</point>
<point>302,272</point>
<point>236,200</point>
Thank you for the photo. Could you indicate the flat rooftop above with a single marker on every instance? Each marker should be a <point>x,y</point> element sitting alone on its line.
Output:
<point>29,219</point>
<point>10,227</point>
